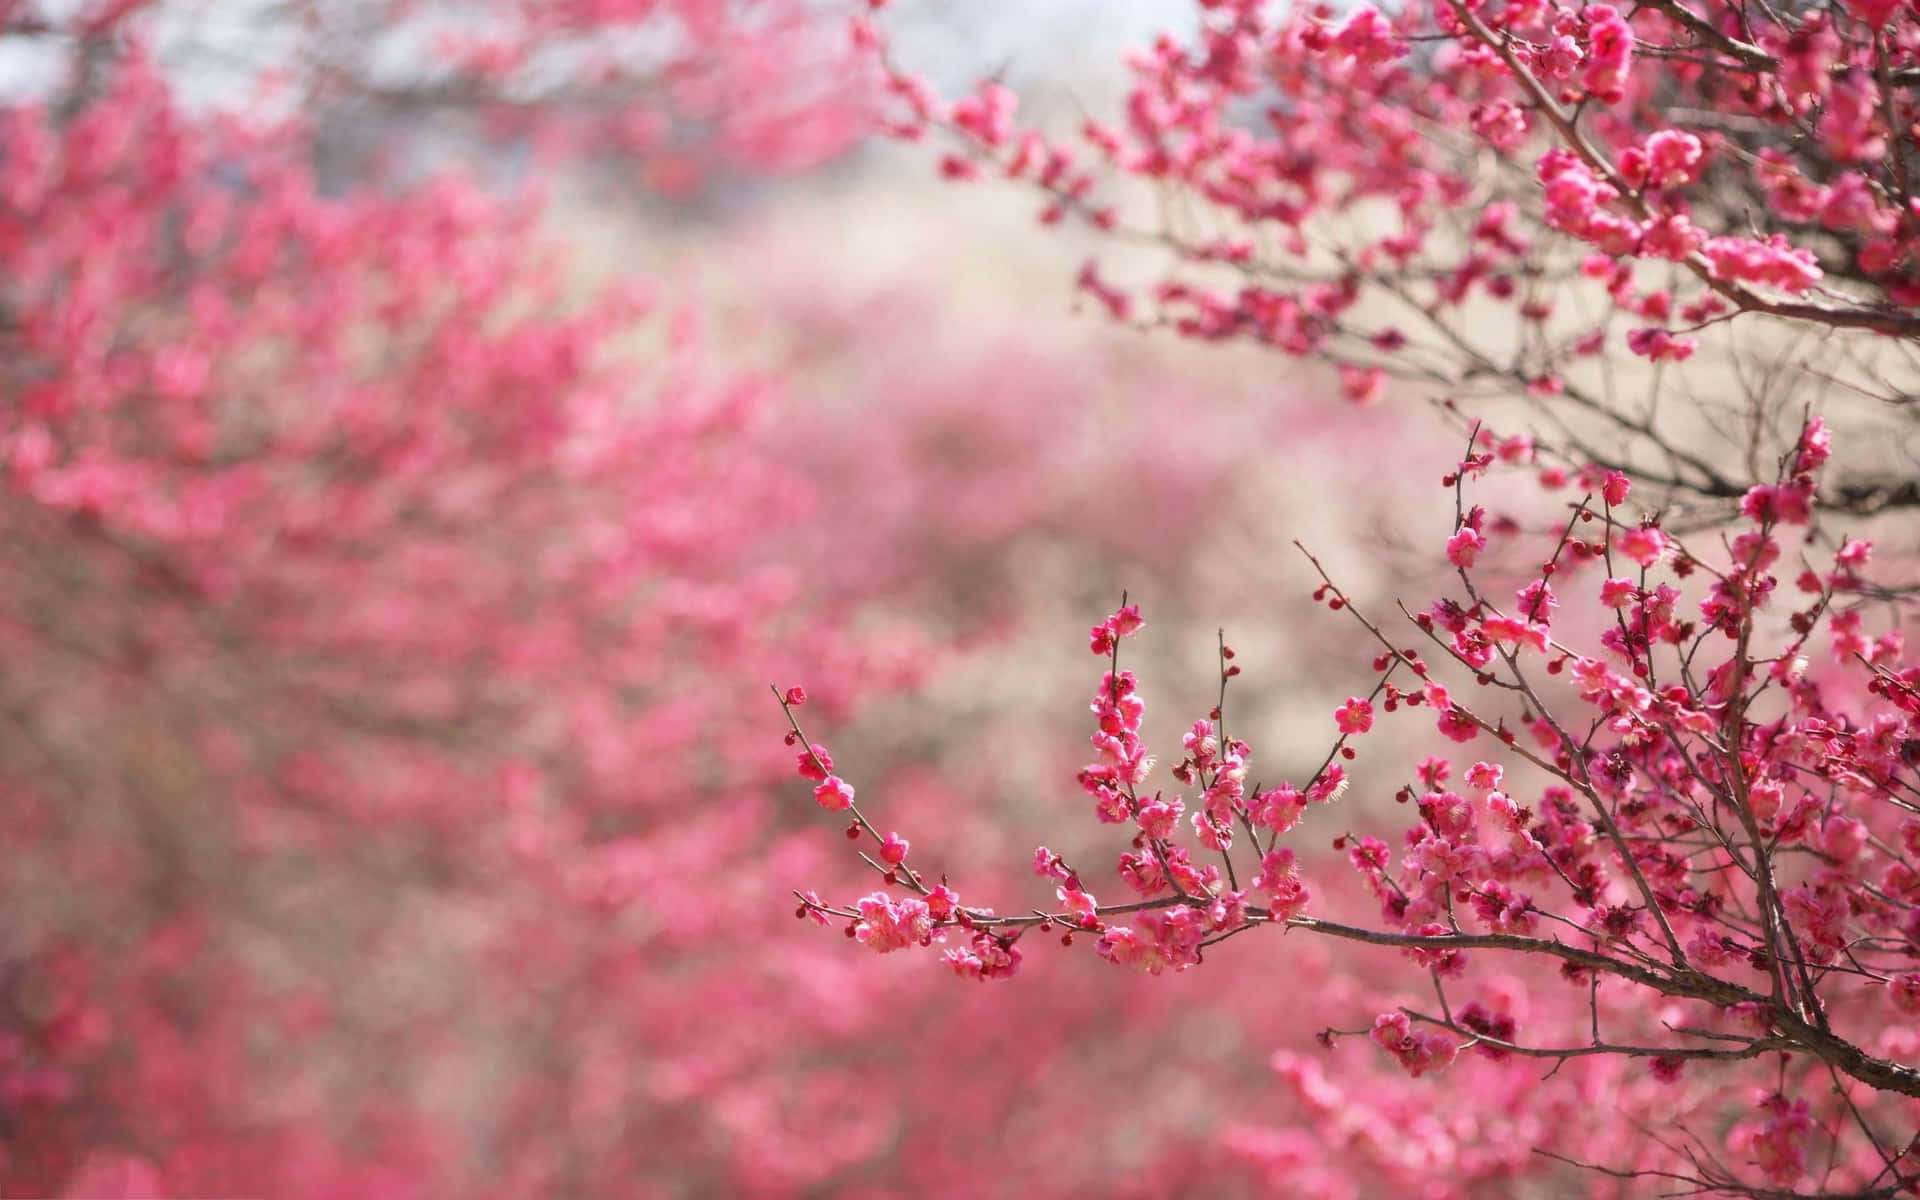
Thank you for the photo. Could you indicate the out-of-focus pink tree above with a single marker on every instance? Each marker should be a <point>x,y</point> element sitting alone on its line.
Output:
<point>362,610</point>
<point>1662,865</point>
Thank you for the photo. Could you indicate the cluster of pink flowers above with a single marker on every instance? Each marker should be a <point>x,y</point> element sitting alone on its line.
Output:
<point>1615,872</point>
<point>1726,143</point>
<point>887,924</point>
<point>1417,1050</point>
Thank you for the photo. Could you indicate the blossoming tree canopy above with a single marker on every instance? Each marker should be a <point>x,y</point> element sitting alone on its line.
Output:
<point>1495,200</point>
<point>355,567</point>
<point>1678,829</point>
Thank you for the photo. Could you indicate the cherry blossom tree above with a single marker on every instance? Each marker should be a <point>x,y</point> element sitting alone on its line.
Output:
<point>1656,845</point>
<point>355,576</point>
